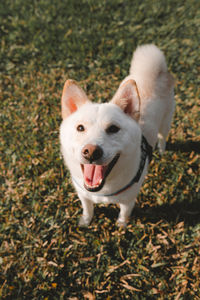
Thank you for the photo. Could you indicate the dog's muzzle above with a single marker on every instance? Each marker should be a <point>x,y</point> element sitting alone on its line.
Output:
<point>95,174</point>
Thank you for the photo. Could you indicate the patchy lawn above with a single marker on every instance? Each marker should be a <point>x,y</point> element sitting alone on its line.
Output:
<point>43,252</point>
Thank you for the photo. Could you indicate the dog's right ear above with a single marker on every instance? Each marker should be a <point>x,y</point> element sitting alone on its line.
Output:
<point>73,97</point>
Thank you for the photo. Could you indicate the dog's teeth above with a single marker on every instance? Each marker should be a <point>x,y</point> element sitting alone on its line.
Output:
<point>94,186</point>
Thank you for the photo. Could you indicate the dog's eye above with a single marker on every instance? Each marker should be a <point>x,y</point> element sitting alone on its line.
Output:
<point>112,129</point>
<point>80,127</point>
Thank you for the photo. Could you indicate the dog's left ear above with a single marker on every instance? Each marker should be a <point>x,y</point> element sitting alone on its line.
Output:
<point>128,99</point>
<point>73,97</point>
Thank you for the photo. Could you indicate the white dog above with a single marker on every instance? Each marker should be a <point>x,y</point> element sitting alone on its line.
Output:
<point>107,147</point>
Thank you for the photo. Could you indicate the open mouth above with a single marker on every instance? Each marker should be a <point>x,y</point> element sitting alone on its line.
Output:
<point>95,175</point>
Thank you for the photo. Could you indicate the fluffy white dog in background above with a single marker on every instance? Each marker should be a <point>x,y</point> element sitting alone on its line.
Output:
<point>107,147</point>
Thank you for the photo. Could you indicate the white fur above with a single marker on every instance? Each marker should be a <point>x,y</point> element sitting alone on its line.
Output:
<point>155,86</point>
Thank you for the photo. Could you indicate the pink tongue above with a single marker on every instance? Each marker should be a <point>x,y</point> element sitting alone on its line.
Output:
<point>93,174</point>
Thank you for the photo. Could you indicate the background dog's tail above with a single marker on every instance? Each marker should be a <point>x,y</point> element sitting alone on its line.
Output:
<point>149,69</point>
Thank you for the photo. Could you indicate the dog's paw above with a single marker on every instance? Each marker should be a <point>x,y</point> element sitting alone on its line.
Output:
<point>121,223</point>
<point>84,221</point>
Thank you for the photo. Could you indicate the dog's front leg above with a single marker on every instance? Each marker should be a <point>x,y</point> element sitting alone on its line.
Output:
<point>125,212</point>
<point>88,211</point>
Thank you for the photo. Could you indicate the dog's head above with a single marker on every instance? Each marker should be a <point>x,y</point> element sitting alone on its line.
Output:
<point>99,138</point>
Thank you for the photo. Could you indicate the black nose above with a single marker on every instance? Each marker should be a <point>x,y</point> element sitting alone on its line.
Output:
<point>92,152</point>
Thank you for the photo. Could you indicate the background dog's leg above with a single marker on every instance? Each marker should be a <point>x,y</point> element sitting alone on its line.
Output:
<point>164,130</point>
<point>88,211</point>
<point>125,212</point>
<point>161,143</point>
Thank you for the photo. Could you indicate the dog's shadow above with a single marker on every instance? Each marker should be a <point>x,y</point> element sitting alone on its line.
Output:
<point>186,147</point>
<point>189,213</point>
<point>186,211</point>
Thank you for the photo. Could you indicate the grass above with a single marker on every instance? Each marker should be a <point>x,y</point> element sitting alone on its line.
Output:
<point>43,252</point>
